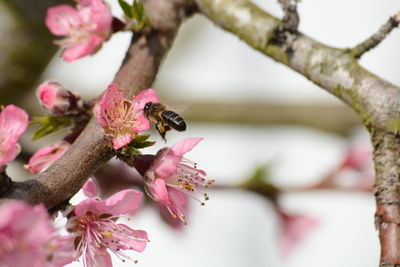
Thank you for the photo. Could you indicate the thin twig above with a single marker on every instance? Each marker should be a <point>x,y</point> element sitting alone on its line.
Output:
<point>376,38</point>
<point>286,32</point>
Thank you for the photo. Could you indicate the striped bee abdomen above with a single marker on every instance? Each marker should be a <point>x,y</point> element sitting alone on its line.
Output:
<point>174,120</point>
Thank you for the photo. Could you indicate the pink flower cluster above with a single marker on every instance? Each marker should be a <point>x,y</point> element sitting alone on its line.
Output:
<point>27,238</point>
<point>13,123</point>
<point>93,222</point>
<point>172,177</point>
<point>86,27</point>
<point>121,118</point>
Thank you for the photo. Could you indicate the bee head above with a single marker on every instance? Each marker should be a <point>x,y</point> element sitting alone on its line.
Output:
<point>147,106</point>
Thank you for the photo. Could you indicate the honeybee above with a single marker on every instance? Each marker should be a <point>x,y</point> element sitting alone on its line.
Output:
<point>163,118</point>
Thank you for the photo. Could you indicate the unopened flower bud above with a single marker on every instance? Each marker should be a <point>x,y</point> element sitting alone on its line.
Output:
<point>55,99</point>
<point>44,157</point>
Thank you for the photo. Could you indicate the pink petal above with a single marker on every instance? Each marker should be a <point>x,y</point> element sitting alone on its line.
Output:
<point>99,117</point>
<point>13,121</point>
<point>165,166</point>
<point>80,50</point>
<point>294,229</point>
<point>111,95</point>
<point>144,123</point>
<point>100,260</point>
<point>148,95</point>
<point>46,94</point>
<point>90,188</point>
<point>122,140</point>
<point>101,14</point>
<point>59,19</point>
<point>120,203</point>
<point>130,243</point>
<point>158,191</point>
<point>62,251</point>
<point>182,147</point>
<point>124,201</point>
<point>46,156</point>
<point>11,152</point>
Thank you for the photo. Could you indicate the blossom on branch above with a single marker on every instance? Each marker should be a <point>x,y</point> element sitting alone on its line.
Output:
<point>86,27</point>
<point>171,178</point>
<point>121,118</point>
<point>44,157</point>
<point>94,224</point>
<point>13,123</point>
<point>55,99</point>
<point>27,238</point>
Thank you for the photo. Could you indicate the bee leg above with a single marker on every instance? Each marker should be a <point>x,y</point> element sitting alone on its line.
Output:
<point>161,130</point>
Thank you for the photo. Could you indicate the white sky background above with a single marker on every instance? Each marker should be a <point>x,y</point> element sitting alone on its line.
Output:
<point>236,229</point>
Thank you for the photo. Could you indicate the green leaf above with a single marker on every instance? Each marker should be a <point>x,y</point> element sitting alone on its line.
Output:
<point>48,125</point>
<point>139,14</point>
<point>138,143</point>
<point>126,8</point>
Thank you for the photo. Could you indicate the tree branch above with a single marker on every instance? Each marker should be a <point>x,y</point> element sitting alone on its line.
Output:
<point>92,148</point>
<point>376,101</point>
<point>376,38</point>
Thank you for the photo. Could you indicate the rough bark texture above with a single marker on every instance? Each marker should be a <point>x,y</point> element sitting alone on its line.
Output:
<point>92,148</point>
<point>376,101</point>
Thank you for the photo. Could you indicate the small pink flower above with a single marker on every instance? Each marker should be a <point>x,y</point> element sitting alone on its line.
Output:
<point>13,123</point>
<point>27,238</point>
<point>295,228</point>
<point>85,28</point>
<point>44,157</point>
<point>55,99</point>
<point>94,224</point>
<point>171,178</point>
<point>121,118</point>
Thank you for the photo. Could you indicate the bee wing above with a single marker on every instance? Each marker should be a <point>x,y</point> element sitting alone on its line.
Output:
<point>178,108</point>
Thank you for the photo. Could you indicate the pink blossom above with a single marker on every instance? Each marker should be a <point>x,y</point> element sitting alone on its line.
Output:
<point>44,157</point>
<point>13,123</point>
<point>85,28</point>
<point>90,188</point>
<point>121,118</point>
<point>171,178</point>
<point>27,238</point>
<point>55,99</point>
<point>295,228</point>
<point>94,224</point>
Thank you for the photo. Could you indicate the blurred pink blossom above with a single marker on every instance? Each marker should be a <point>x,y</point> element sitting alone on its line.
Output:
<point>44,157</point>
<point>86,27</point>
<point>171,178</point>
<point>359,158</point>
<point>96,230</point>
<point>55,99</point>
<point>13,123</point>
<point>122,118</point>
<point>295,228</point>
<point>27,238</point>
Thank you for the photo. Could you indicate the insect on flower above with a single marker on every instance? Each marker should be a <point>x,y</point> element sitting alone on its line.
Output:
<point>163,118</point>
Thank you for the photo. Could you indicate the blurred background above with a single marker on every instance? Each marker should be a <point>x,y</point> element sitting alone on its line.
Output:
<point>261,122</point>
